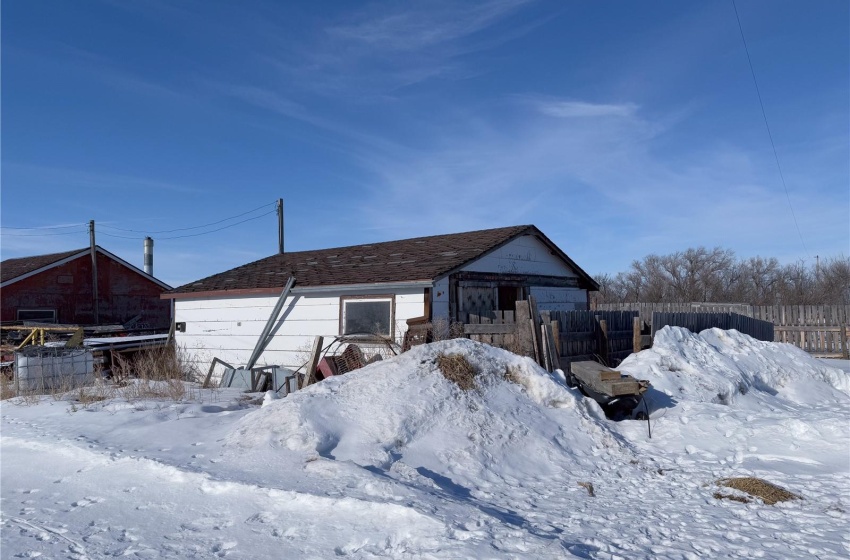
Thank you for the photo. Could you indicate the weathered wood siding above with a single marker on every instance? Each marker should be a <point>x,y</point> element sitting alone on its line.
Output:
<point>523,255</point>
<point>560,299</point>
<point>123,293</point>
<point>228,328</point>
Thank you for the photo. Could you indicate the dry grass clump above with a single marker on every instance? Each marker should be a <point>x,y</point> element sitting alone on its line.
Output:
<point>7,387</point>
<point>589,487</point>
<point>457,369</point>
<point>762,489</point>
<point>441,329</point>
<point>154,373</point>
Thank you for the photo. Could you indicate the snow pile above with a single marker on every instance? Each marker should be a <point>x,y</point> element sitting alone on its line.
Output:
<point>404,408</point>
<point>722,366</point>
<point>395,461</point>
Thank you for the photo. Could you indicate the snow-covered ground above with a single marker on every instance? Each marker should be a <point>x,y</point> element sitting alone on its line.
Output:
<point>395,461</point>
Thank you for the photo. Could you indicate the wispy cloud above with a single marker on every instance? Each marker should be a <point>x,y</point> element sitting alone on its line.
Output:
<point>581,109</point>
<point>603,176</point>
<point>370,53</point>
<point>414,27</point>
<point>265,99</point>
<point>40,175</point>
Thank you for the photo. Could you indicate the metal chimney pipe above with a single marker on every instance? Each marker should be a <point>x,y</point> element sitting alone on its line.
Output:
<point>148,256</point>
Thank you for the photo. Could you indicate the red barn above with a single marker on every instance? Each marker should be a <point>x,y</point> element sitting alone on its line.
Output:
<point>57,288</point>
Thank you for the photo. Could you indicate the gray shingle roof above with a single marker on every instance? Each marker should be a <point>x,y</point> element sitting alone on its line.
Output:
<point>421,258</point>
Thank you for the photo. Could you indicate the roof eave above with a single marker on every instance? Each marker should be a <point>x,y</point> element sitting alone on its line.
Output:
<point>239,292</point>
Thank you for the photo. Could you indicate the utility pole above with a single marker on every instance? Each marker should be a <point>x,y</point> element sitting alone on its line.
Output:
<point>280,226</point>
<point>93,273</point>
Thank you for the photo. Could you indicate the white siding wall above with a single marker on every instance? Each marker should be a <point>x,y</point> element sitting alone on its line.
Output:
<point>523,255</point>
<point>228,328</point>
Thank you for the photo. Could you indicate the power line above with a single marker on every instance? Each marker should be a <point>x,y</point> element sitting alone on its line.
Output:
<point>140,231</point>
<point>192,234</point>
<point>43,227</point>
<point>769,135</point>
<point>186,228</point>
<point>43,234</point>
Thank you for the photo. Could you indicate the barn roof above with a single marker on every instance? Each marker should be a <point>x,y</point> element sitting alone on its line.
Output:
<point>406,260</point>
<point>14,270</point>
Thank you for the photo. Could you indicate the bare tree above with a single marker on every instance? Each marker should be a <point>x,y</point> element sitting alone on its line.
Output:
<point>700,274</point>
<point>697,274</point>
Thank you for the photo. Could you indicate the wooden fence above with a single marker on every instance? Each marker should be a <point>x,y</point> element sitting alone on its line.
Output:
<point>821,341</point>
<point>557,338</point>
<point>780,315</point>
<point>821,330</point>
<point>605,336</point>
<point>696,322</point>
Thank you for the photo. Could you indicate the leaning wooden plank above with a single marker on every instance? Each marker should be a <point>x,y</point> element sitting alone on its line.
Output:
<point>315,354</point>
<point>556,339</point>
<point>535,332</point>
<point>544,355</point>
<point>523,319</point>
<point>546,351</point>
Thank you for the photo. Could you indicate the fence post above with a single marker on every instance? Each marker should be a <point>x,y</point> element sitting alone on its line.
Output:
<point>636,328</point>
<point>844,343</point>
<point>602,340</point>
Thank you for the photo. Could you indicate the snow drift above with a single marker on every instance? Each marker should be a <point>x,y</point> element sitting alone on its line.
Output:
<point>721,366</point>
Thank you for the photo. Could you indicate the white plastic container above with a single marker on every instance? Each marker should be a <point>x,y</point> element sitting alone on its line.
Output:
<point>44,368</point>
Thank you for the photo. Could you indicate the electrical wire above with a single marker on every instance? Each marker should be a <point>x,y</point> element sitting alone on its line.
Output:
<point>100,232</point>
<point>43,234</point>
<point>192,234</point>
<point>43,227</point>
<point>186,228</point>
<point>769,135</point>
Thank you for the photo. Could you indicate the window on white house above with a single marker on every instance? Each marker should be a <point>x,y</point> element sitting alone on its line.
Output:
<point>39,315</point>
<point>367,316</point>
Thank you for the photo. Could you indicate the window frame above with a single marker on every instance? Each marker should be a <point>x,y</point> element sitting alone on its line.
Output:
<point>343,300</point>
<point>54,320</point>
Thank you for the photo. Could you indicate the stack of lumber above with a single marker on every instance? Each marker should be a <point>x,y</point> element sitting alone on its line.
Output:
<point>606,380</point>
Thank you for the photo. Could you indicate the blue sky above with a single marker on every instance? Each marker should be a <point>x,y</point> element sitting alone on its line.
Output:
<point>618,128</point>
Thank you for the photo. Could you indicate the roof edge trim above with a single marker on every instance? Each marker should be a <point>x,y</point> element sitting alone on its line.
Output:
<point>302,290</point>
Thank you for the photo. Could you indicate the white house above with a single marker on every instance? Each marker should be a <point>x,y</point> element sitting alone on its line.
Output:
<point>375,288</point>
